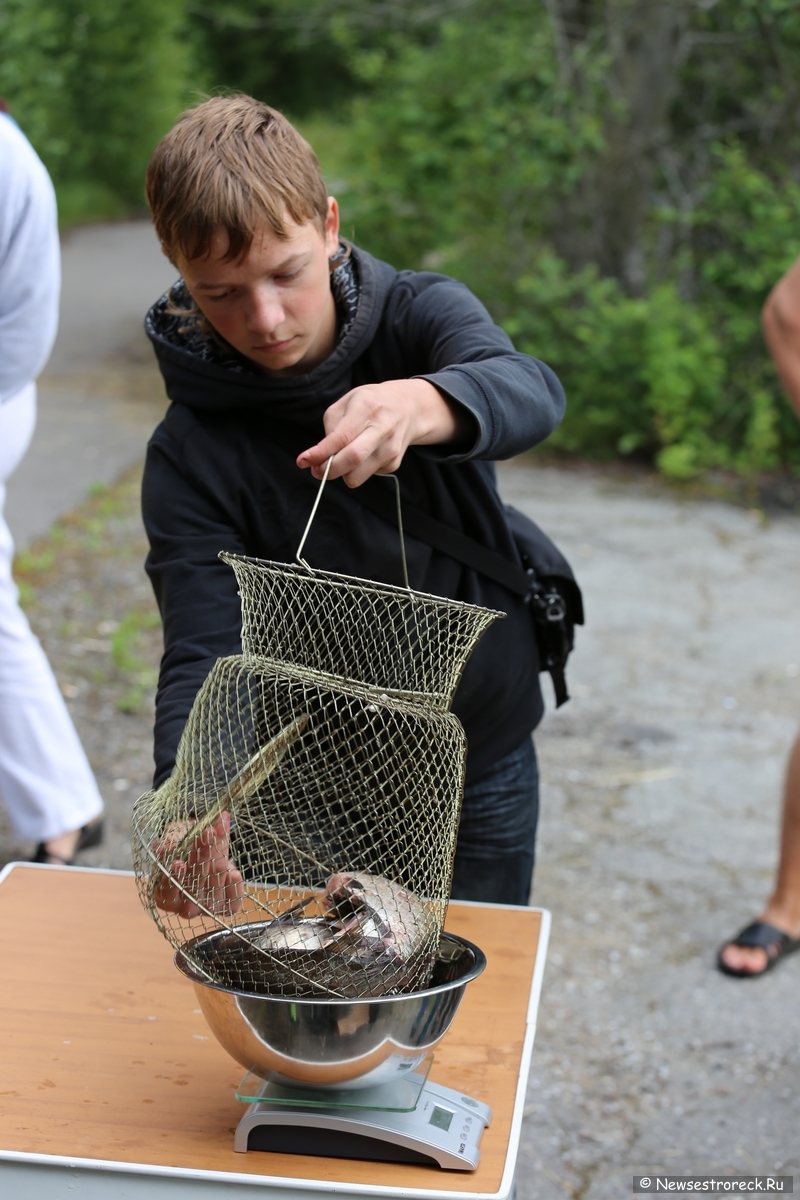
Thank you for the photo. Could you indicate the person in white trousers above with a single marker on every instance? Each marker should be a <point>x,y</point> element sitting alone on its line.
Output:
<point>46,783</point>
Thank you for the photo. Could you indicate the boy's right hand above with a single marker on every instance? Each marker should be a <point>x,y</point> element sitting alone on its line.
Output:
<point>207,876</point>
<point>370,428</point>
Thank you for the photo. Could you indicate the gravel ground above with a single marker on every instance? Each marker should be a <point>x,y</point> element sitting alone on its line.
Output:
<point>660,799</point>
<point>89,601</point>
<point>659,822</point>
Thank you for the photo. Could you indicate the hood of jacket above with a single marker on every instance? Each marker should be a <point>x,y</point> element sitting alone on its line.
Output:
<point>202,383</point>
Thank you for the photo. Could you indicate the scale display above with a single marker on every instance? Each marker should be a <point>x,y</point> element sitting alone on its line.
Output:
<point>442,1118</point>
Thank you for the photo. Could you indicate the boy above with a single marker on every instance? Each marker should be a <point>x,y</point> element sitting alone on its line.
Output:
<point>281,347</point>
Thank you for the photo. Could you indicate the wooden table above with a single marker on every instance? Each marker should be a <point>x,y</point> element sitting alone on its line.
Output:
<point>112,1087</point>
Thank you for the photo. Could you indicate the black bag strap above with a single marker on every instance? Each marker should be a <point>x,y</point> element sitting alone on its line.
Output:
<point>549,608</point>
<point>374,496</point>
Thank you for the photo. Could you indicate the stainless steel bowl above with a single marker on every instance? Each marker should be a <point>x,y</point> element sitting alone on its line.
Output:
<point>338,1043</point>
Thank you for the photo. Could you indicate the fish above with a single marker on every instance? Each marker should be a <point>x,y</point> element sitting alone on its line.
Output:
<point>379,912</point>
<point>374,938</point>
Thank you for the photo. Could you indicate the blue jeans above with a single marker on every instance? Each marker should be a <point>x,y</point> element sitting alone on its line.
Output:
<point>497,833</point>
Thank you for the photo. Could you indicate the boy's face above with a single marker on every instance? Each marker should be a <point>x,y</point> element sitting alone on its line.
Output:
<point>275,306</point>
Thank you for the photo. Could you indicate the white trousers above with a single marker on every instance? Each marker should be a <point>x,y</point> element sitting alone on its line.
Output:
<point>46,783</point>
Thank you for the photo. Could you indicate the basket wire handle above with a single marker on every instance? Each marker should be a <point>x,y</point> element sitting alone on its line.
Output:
<point>307,529</point>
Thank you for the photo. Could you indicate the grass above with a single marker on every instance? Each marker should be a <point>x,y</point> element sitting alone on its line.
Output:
<point>85,593</point>
<point>127,644</point>
<point>86,204</point>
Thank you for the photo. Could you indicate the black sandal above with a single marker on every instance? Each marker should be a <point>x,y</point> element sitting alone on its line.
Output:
<point>769,938</point>
<point>89,836</point>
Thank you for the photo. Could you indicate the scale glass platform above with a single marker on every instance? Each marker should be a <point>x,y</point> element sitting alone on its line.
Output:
<point>411,1120</point>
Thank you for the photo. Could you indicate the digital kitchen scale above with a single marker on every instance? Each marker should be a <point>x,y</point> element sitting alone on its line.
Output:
<point>411,1120</point>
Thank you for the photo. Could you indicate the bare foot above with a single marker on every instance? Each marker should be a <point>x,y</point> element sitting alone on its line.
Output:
<point>62,848</point>
<point>754,960</point>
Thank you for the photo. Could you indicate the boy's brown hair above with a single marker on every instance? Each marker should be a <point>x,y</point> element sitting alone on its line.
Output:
<point>232,163</point>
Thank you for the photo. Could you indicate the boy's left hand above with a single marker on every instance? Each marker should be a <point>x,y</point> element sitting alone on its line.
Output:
<point>370,429</point>
<point>206,873</point>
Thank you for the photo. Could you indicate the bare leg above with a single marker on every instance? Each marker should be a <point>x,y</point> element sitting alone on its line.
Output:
<point>63,846</point>
<point>783,909</point>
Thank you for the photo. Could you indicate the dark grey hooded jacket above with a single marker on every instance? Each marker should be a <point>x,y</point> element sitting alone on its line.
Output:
<point>221,475</point>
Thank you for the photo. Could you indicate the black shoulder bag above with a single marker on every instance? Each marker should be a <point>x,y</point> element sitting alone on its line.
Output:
<point>544,580</point>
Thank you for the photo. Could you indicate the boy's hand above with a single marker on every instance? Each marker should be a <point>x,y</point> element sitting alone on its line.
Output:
<point>370,429</point>
<point>207,872</point>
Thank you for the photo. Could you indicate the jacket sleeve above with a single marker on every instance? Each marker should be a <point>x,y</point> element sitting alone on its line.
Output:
<point>187,523</point>
<point>515,400</point>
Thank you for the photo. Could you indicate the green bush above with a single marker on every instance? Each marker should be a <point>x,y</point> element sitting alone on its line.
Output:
<point>467,150</point>
<point>643,375</point>
<point>94,85</point>
<point>496,151</point>
<point>276,50</point>
<point>746,235</point>
<point>617,182</point>
<point>685,382</point>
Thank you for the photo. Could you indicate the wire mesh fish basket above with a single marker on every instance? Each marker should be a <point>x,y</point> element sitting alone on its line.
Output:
<point>304,843</point>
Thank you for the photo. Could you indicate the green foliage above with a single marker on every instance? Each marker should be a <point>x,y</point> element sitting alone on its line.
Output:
<point>741,76</point>
<point>475,135</point>
<point>644,374</point>
<point>617,182</point>
<point>126,653</point>
<point>511,150</point>
<point>686,383</point>
<point>271,49</point>
<point>747,234</point>
<point>94,85</point>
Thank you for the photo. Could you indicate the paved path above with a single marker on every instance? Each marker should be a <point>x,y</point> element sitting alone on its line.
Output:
<point>659,822</point>
<point>660,790</point>
<point>100,395</point>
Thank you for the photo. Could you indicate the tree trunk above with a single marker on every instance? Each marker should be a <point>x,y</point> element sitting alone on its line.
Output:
<point>646,44</point>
